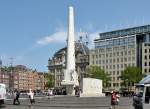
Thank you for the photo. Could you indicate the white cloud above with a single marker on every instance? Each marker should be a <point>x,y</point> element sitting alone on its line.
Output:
<point>92,37</point>
<point>58,37</point>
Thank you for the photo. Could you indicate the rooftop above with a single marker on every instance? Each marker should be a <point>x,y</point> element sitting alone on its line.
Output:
<point>124,32</point>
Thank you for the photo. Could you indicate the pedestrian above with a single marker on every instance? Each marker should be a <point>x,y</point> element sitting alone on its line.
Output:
<point>50,93</point>
<point>113,100</point>
<point>117,100</point>
<point>16,97</point>
<point>31,96</point>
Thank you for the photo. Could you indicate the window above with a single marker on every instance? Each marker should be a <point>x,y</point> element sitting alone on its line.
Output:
<point>121,59</point>
<point>145,50</point>
<point>106,60</point>
<point>125,59</point>
<point>129,58</point>
<point>110,54</point>
<point>113,66</point>
<point>145,63</point>
<point>106,55</point>
<point>99,56</point>
<point>117,72</point>
<point>99,61</point>
<point>114,84</point>
<point>110,60</point>
<point>129,52</point>
<point>110,66</point>
<point>145,70</point>
<point>118,78</point>
<point>145,57</point>
<point>117,53</point>
<point>121,65</point>
<point>122,53</point>
<point>118,66</point>
<point>133,58</point>
<point>114,60</point>
<point>113,78</point>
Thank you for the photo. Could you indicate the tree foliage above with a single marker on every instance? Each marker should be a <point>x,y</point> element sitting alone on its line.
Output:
<point>50,80</point>
<point>131,75</point>
<point>98,73</point>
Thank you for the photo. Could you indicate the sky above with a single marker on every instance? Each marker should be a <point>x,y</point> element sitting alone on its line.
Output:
<point>31,31</point>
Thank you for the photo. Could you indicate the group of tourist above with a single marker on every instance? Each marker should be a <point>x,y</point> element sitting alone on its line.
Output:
<point>16,95</point>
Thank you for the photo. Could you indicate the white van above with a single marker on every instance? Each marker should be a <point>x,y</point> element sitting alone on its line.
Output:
<point>2,93</point>
<point>141,99</point>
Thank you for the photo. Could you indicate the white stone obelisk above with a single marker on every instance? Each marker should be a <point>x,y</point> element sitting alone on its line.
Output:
<point>70,75</point>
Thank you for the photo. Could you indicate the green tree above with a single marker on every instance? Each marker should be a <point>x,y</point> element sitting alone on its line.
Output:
<point>130,76</point>
<point>98,73</point>
<point>50,80</point>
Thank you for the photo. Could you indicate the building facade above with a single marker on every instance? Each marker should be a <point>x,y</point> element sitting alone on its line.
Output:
<point>57,64</point>
<point>22,78</point>
<point>116,50</point>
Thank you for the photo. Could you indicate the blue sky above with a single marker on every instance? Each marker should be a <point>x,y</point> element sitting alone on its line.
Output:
<point>31,31</point>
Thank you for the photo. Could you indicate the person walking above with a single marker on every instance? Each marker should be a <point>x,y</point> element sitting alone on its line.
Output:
<point>50,93</point>
<point>31,96</point>
<point>16,97</point>
<point>113,100</point>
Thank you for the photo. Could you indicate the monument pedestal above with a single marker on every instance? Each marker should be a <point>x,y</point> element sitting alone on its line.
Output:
<point>91,88</point>
<point>69,85</point>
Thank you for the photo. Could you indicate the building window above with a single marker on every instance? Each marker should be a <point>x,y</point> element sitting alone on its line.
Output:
<point>121,59</point>
<point>99,56</point>
<point>125,59</point>
<point>106,55</point>
<point>129,58</point>
<point>118,78</point>
<point>145,70</point>
<point>110,54</point>
<point>114,54</point>
<point>106,61</point>
<point>110,66</point>
<point>99,61</point>
<point>145,57</point>
<point>133,58</point>
<point>113,78</point>
<point>117,53</point>
<point>122,53</point>
<point>114,60</point>
<point>113,66</point>
<point>129,52</point>
<point>118,66</point>
<point>114,84</point>
<point>117,72</point>
<point>110,73</point>
<point>133,52</point>
<point>113,72</point>
<point>145,63</point>
<point>110,60</point>
<point>145,50</point>
<point>117,59</point>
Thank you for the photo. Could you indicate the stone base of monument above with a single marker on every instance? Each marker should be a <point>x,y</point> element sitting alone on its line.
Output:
<point>69,85</point>
<point>91,87</point>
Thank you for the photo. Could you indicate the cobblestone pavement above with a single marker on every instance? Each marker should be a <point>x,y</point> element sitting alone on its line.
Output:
<point>67,102</point>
